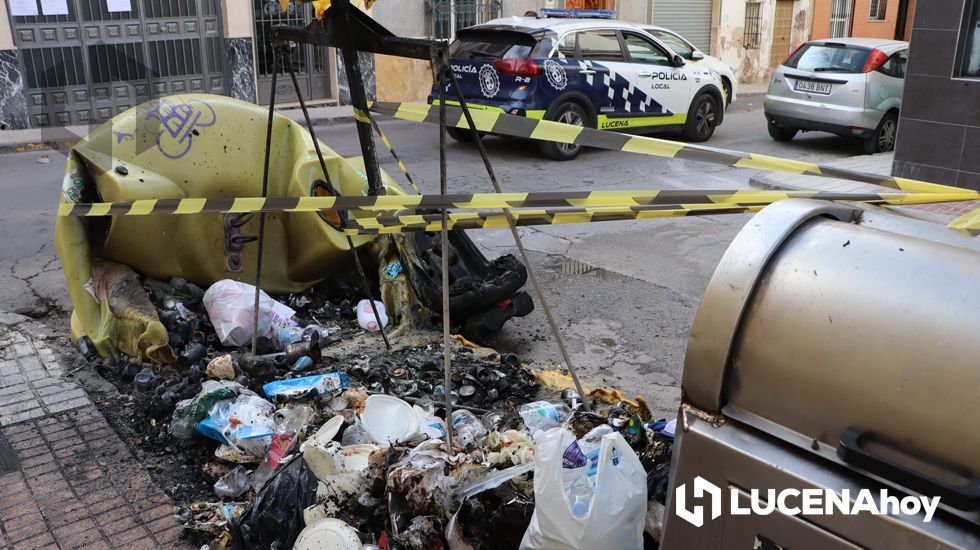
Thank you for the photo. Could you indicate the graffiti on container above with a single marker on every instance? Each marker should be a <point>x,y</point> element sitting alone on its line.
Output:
<point>179,123</point>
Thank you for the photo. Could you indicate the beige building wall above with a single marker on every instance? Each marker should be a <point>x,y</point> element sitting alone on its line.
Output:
<point>6,33</point>
<point>236,18</point>
<point>752,65</point>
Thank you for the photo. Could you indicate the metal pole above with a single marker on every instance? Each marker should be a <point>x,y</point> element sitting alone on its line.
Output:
<point>365,284</point>
<point>447,383</point>
<point>355,83</point>
<point>532,275</point>
<point>265,191</point>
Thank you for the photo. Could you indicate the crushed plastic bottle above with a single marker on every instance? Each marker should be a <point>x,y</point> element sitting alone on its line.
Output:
<point>232,484</point>
<point>542,415</point>
<point>355,434</point>
<point>467,428</point>
<point>433,427</point>
<point>366,318</point>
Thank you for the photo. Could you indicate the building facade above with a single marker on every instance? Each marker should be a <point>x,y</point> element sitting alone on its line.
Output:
<point>863,18</point>
<point>939,126</point>
<point>81,62</point>
<point>68,62</point>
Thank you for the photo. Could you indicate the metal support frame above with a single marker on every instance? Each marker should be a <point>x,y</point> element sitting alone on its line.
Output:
<point>351,31</point>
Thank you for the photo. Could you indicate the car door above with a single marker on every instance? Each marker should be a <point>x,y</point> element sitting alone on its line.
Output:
<point>606,73</point>
<point>667,89</point>
<point>886,85</point>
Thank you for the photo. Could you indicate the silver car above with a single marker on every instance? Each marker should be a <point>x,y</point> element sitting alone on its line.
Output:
<point>845,86</point>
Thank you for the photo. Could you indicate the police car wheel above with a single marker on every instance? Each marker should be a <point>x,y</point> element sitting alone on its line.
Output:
<point>567,113</point>
<point>702,118</point>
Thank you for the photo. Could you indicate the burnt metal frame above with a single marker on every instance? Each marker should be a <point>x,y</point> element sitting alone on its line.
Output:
<point>351,31</point>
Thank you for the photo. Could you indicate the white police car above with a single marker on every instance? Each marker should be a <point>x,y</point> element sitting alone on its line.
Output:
<point>589,72</point>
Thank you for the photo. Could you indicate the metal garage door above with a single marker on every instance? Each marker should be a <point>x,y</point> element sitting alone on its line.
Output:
<point>689,18</point>
<point>91,64</point>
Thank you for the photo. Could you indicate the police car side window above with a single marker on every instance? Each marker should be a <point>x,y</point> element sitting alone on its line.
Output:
<point>643,51</point>
<point>600,46</point>
<point>566,48</point>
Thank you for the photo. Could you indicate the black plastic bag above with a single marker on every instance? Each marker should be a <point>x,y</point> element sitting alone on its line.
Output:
<point>275,519</point>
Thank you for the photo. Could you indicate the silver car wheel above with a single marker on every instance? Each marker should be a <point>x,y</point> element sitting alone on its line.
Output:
<point>886,136</point>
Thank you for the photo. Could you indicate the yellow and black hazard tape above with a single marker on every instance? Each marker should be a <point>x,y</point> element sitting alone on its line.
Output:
<point>500,123</point>
<point>363,116</point>
<point>483,220</point>
<point>186,206</point>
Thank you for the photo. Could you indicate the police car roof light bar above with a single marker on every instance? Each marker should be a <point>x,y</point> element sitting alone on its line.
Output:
<point>578,14</point>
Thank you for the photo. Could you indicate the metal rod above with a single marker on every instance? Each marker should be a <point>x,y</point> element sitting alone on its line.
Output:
<point>446,343</point>
<point>316,142</point>
<point>265,191</point>
<point>358,99</point>
<point>365,284</point>
<point>532,275</point>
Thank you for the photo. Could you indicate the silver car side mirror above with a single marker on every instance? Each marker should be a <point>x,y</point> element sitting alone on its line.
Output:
<point>696,55</point>
<point>678,61</point>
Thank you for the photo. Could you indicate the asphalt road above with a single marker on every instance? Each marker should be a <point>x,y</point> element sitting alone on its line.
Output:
<point>624,293</point>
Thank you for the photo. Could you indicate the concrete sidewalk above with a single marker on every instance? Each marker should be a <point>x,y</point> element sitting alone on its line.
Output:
<point>881,163</point>
<point>16,141</point>
<point>66,479</point>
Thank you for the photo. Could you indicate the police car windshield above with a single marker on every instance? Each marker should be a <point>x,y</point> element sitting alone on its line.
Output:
<point>490,45</point>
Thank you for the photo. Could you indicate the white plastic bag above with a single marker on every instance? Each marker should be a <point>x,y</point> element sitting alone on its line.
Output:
<point>230,306</point>
<point>618,510</point>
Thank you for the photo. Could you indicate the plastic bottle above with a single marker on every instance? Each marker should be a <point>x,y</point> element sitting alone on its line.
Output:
<point>574,479</point>
<point>579,496</point>
<point>542,415</point>
<point>355,434</point>
<point>467,428</point>
<point>232,484</point>
<point>590,444</point>
<point>433,427</point>
<point>366,318</point>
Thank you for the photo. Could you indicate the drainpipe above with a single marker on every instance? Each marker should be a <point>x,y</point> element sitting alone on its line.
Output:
<point>902,19</point>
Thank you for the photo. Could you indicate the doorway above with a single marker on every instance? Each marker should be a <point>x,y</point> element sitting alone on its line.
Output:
<point>313,65</point>
<point>782,31</point>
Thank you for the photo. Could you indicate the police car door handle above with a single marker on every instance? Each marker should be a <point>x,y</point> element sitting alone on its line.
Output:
<point>644,75</point>
<point>586,71</point>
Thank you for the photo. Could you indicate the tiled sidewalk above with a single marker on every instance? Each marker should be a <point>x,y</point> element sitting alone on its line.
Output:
<point>66,479</point>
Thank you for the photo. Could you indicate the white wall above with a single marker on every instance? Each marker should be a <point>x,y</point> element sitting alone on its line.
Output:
<point>752,65</point>
<point>634,11</point>
<point>404,18</point>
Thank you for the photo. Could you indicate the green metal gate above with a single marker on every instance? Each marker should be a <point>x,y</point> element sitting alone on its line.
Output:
<point>89,65</point>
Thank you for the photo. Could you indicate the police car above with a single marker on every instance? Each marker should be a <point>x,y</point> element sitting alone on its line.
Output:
<point>597,73</point>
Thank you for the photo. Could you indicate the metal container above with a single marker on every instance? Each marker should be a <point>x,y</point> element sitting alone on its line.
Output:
<point>836,347</point>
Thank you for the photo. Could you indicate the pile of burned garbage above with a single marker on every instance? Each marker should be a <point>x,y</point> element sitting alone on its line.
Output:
<point>322,435</point>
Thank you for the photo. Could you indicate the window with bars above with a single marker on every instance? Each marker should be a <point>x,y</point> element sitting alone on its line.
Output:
<point>752,36</point>
<point>878,10</point>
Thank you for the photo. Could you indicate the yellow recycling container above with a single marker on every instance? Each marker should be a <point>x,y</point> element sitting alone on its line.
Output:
<point>185,146</point>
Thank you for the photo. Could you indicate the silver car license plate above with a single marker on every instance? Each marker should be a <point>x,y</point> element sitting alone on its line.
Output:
<point>812,87</point>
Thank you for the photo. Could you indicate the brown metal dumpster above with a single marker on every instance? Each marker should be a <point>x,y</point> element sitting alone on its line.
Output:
<point>832,374</point>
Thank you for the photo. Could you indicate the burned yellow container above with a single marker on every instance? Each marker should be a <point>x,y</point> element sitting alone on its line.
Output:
<point>191,146</point>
